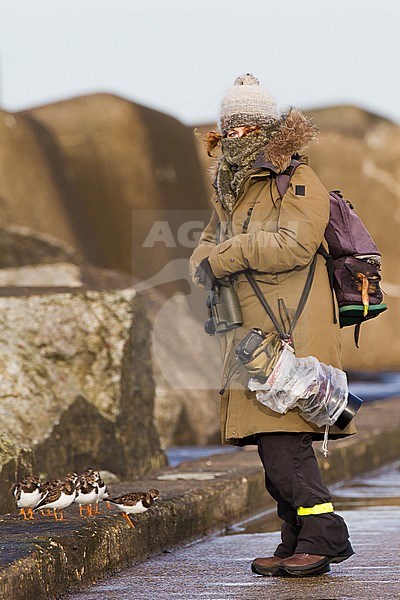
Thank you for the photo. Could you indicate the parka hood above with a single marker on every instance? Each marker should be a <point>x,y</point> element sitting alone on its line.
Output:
<point>294,134</point>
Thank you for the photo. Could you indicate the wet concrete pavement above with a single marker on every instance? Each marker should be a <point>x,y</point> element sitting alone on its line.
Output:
<point>219,568</point>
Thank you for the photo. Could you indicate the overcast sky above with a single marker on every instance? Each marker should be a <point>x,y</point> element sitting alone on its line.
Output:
<point>179,56</point>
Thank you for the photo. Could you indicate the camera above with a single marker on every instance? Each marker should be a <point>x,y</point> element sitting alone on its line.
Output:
<point>249,344</point>
<point>259,352</point>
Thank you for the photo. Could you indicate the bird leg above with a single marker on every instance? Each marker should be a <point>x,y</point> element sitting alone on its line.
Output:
<point>60,517</point>
<point>128,519</point>
<point>96,509</point>
<point>30,513</point>
<point>89,510</point>
<point>108,505</point>
<point>81,510</point>
<point>23,513</point>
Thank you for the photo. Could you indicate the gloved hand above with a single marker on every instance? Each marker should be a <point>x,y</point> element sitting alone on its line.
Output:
<point>205,274</point>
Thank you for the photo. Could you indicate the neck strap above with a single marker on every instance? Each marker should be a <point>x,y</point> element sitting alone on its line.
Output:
<point>284,335</point>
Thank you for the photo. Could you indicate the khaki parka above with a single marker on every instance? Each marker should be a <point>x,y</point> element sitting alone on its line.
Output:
<point>277,239</point>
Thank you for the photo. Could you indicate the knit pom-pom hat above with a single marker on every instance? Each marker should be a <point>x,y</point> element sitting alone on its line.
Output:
<point>246,103</point>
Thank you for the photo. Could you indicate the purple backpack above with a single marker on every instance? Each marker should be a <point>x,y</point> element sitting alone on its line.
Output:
<point>352,260</point>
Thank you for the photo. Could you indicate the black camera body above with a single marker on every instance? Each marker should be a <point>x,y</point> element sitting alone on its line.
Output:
<point>249,344</point>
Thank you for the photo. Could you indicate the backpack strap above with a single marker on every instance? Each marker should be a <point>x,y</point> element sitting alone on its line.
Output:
<point>282,180</point>
<point>357,334</point>
<point>330,266</point>
<point>357,331</point>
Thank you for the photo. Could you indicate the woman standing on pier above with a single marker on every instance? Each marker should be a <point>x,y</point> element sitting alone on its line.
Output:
<point>253,228</point>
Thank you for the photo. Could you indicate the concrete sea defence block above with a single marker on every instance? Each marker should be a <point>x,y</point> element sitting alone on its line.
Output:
<point>76,386</point>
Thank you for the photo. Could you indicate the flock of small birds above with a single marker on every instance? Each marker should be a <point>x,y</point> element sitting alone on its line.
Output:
<point>86,490</point>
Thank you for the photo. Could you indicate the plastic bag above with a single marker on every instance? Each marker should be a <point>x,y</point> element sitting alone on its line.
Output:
<point>318,390</point>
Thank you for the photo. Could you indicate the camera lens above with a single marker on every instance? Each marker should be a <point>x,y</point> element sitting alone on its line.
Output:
<point>349,412</point>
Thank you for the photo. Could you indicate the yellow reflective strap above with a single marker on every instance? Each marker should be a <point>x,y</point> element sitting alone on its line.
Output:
<point>317,509</point>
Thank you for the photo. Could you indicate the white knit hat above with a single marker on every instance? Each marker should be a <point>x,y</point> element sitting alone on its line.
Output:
<point>246,103</point>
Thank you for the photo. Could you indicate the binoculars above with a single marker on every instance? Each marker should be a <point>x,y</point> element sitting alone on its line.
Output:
<point>224,309</point>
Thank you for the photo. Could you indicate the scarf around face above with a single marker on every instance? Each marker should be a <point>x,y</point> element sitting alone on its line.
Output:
<point>238,154</point>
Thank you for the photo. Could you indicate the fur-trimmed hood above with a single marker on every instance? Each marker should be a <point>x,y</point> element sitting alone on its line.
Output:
<point>294,134</point>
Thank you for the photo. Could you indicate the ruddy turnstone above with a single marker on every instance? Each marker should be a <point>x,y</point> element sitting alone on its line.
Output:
<point>135,502</point>
<point>27,493</point>
<point>72,477</point>
<point>86,493</point>
<point>50,483</point>
<point>94,478</point>
<point>103,492</point>
<point>59,496</point>
<point>46,486</point>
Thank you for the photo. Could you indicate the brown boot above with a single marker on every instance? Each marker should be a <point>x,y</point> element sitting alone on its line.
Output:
<point>267,566</point>
<point>302,565</point>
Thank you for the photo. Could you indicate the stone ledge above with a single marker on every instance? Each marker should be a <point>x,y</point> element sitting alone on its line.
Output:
<point>45,559</point>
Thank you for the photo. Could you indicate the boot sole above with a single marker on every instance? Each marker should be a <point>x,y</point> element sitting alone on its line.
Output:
<point>272,572</point>
<point>302,572</point>
<point>339,559</point>
<point>306,572</point>
<point>322,567</point>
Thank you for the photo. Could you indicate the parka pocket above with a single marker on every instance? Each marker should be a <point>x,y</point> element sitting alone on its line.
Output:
<point>270,278</point>
<point>261,278</point>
